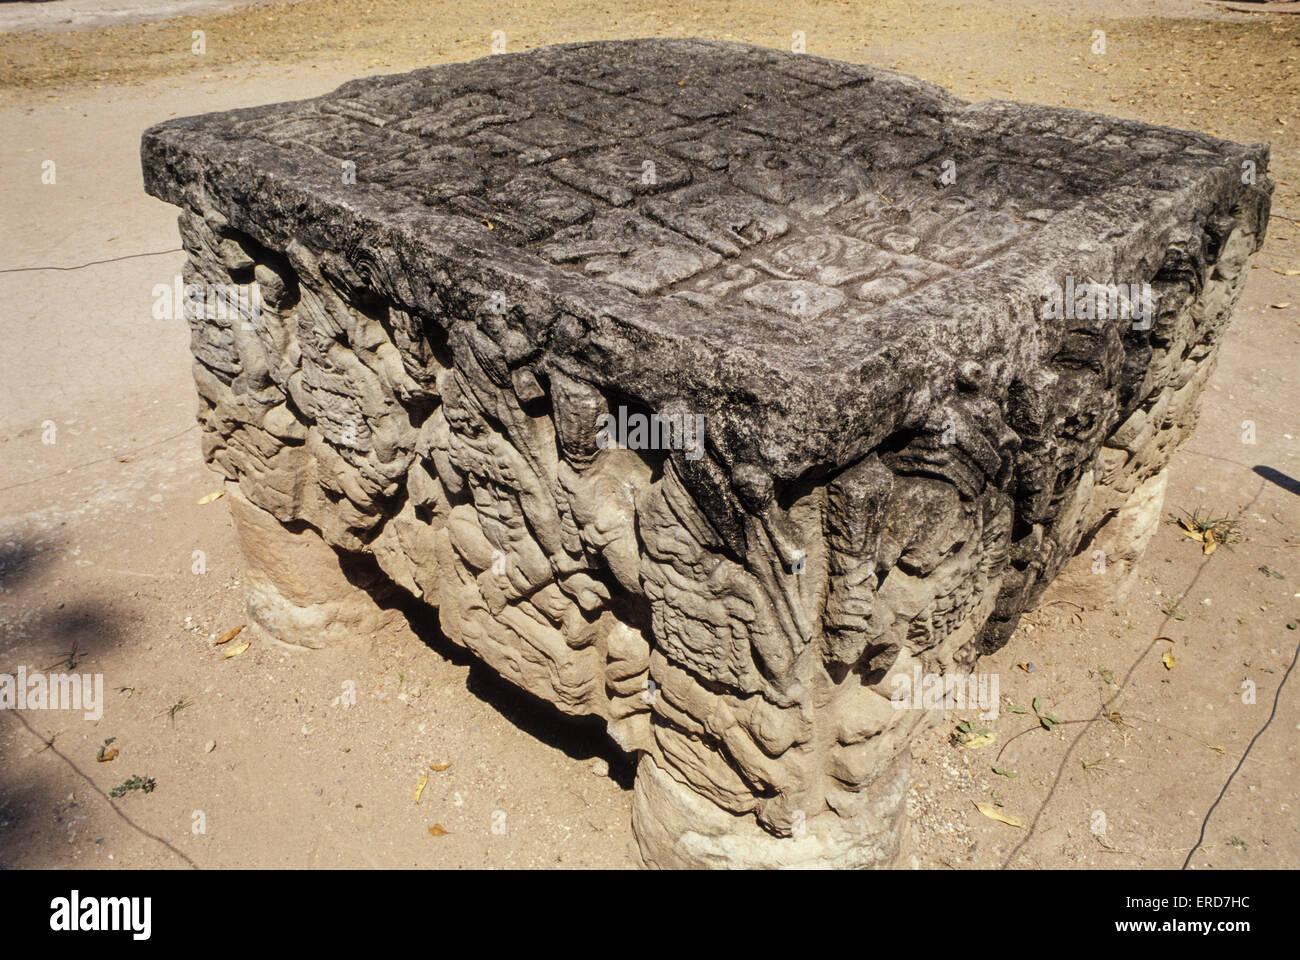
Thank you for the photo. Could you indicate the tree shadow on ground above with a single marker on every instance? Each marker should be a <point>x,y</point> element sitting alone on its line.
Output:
<point>580,738</point>
<point>60,637</point>
<point>1288,483</point>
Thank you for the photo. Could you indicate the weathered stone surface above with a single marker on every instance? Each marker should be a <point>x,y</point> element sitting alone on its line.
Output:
<point>862,307</point>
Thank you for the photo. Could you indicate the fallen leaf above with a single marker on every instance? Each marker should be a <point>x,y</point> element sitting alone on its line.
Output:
<point>107,755</point>
<point>1167,658</point>
<point>437,830</point>
<point>1005,773</point>
<point>229,635</point>
<point>978,740</point>
<point>1286,273</point>
<point>1210,543</point>
<point>439,767</point>
<point>993,813</point>
<point>235,651</point>
<point>202,501</point>
<point>1190,531</point>
<point>1279,306</point>
<point>419,787</point>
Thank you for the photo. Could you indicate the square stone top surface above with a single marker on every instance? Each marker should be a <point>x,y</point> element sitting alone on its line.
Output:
<point>811,253</point>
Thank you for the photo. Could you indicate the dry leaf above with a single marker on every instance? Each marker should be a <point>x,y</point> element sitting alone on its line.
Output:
<point>439,767</point>
<point>107,755</point>
<point>1286,273</point>
<point>209,498</point>
<point>1210,543</point>
<point>229,635</point>
<point>419,787</point>
<point>1279,306</point>
<point>1167,658</point>
<point>1190,530</point>
<point>993,813</point>
<point>979,740</point>
<point>235,651</point>
<point>437,830</point>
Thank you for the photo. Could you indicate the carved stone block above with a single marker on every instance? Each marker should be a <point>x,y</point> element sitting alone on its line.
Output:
<point>701,387</point>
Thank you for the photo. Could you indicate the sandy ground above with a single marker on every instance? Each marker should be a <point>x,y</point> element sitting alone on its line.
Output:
<point>16,15</point>
<point>258,761</point>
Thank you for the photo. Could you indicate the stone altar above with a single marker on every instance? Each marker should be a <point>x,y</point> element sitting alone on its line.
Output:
<point>701,387</point>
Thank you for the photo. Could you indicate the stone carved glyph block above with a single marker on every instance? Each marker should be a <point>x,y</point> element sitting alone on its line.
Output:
<point>701,387</point>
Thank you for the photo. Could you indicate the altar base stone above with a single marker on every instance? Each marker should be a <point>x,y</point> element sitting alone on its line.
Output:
<point>295,588</point>
<point>676,829</point>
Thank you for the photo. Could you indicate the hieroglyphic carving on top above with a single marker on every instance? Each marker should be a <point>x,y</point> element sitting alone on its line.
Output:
<point>787,184</point>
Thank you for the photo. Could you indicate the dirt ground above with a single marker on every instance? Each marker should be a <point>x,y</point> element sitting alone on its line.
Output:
<point>258,761</point>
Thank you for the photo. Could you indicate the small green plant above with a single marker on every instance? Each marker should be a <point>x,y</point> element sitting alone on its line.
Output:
<point>967,735</point>
<point>1208,528</point>
<point>1173,609</point>
<point>1046,719</point>
<point>143,784</point>
<point>69,659</point>
<point>176,708</point>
